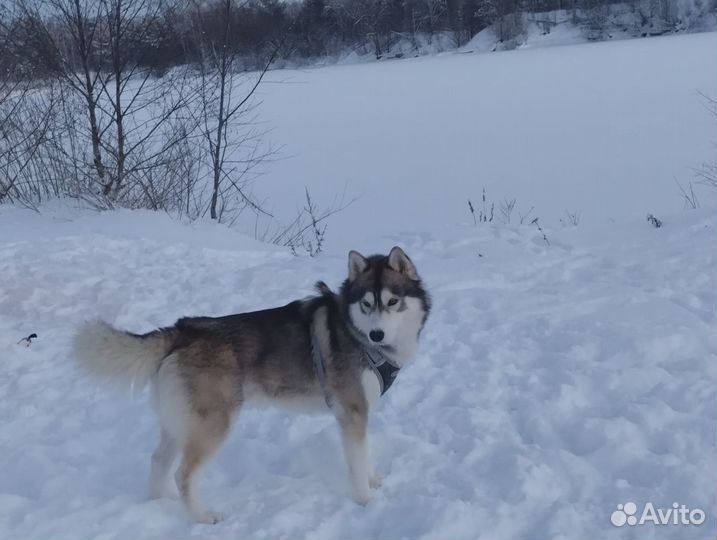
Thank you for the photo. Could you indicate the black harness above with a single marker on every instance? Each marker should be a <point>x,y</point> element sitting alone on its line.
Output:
<point>382,367</point>
<point>377,361</point>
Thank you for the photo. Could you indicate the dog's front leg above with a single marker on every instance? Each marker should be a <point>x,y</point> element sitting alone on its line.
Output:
<point>353,424</point>
<point>375,479</point>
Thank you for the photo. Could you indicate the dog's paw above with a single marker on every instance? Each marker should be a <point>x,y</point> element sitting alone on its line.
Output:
<point>164,493</point>
<point>210,518</point>
<point>362,497</point>
<point>375,480</point>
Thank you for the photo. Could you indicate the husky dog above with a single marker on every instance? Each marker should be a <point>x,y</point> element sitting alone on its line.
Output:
<point>334,352</point>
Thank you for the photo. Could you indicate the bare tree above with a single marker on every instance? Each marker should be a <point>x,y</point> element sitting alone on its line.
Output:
<point>26,130</point>
<point>594,15</point>
<point>72,55</point>
<point>503,15</point>
<point>25,119</point>
<point>140,105</point>
<point>98,49</point>
<point>367,20</point>
<point>234,142</point>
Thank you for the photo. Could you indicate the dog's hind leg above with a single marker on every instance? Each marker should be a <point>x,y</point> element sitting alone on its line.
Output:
<point>171,403</point>
<point>206,434</point>
<point>198,394</point>
<point>162,461</point>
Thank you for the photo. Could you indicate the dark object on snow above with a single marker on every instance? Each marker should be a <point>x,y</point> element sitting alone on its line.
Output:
<point>27,340</point>
<point>652,220</point>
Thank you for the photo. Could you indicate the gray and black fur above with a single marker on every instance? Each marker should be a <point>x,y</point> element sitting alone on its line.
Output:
<point>203,369</point>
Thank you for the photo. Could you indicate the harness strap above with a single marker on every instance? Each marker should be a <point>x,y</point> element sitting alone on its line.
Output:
<point>382,367</point>
<point>384,370</point>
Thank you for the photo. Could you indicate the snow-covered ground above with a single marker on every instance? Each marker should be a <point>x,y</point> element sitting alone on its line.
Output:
<point>600,128</point>
<point>554,381</point>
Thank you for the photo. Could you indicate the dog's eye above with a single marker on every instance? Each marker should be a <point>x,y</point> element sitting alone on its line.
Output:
<point>393,301</point>
<point>366,304</point>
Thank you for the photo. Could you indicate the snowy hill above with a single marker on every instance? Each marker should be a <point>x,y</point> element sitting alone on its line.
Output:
<point>556,379</point>
<point>553,382</point>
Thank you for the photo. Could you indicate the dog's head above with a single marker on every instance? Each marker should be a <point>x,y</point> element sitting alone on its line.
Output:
<point>385,300</point>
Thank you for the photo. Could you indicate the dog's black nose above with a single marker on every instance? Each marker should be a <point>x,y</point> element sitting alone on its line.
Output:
<point>376,335</point>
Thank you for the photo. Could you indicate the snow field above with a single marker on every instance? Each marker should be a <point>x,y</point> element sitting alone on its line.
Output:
<point>552,383</point>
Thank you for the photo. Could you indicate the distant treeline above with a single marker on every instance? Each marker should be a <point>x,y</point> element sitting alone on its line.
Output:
<point>169,32</point>
<point>149,103</point>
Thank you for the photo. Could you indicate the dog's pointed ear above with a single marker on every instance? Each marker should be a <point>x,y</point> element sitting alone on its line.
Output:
<point>357,264</point>
<point>399,261</point>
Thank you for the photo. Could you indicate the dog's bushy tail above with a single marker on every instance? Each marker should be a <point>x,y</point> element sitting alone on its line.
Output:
<point>125,359</point>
